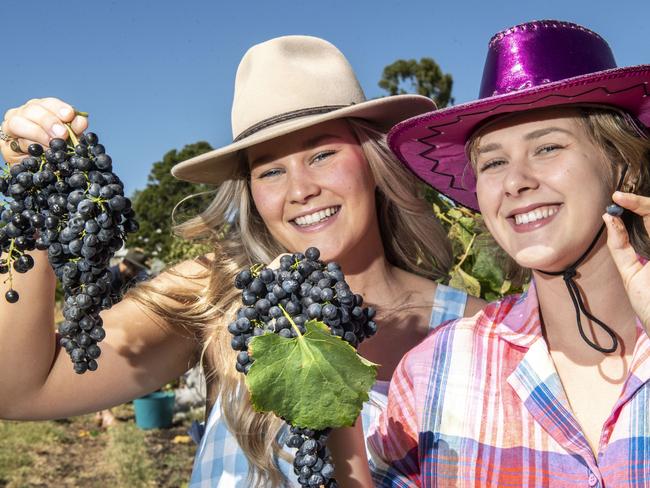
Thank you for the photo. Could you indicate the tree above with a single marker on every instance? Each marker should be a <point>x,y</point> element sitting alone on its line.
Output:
<point>477,258</point>
<point>425,78</point>
<point>154,204</point>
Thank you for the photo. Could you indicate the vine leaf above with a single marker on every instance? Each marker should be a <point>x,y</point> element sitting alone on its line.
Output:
<point>313,381</point>
<point>464,281</point>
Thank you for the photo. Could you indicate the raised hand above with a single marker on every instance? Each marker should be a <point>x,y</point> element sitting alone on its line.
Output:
<point>38,120</point>
<point>635,274</point>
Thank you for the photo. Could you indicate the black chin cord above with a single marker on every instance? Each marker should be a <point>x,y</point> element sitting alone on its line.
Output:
<point>574,292</point>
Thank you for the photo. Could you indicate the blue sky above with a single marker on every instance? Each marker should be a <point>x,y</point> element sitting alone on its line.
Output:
<point>156,75</point>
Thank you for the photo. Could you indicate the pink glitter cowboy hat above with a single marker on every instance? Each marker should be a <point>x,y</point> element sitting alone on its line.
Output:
<point>538,64</point>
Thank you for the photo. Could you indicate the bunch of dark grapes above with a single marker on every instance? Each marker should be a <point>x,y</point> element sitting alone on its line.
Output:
<point>305,288</point>
<point>66,199</point>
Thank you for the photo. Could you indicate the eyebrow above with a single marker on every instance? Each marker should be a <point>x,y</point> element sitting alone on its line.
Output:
<point>536,134</point>
<point>308,144</point>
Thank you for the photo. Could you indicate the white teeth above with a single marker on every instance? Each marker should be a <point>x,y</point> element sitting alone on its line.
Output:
<point>316,216</point>
<point>537,214</point>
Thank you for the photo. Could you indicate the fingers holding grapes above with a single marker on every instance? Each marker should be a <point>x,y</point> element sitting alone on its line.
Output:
<point>37,121</point>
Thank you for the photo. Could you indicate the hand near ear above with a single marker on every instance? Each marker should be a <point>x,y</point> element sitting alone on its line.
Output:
<point>636,276</point>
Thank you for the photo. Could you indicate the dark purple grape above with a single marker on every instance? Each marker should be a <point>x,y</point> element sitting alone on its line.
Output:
<point>11,296</point>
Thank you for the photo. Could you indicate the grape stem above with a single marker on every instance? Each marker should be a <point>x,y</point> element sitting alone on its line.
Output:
<point>73,136</point>
<point>10,261</point>
<point>469,247</point>
<point>299,335</point>
<point>293,324</point>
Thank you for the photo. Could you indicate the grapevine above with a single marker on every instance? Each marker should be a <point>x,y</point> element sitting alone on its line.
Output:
<point>304,300</point>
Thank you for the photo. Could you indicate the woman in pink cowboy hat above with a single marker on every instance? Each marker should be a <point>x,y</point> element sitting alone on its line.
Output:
<point>308,166</point>
<point>550,387</point>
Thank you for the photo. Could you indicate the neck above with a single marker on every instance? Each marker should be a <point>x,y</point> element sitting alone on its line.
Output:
<point>371,276</point>
<point>367,269</point>
<point>604,296</point>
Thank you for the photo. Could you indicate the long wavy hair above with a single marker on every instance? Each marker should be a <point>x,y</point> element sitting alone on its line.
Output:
<point>623,140</point>
<point>413,240</point>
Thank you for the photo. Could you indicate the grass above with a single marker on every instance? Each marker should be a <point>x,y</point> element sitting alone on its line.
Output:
<point>76,453</point>
<point>20,445</point>
<point>128,455</point>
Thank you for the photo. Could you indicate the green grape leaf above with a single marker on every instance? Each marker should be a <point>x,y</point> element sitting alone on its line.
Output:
<point>459,233</point>
<point>463,281</point>
<point>487,270</point>
<point>468,223</point>
<point>313,381</point>
<point>455,213</point>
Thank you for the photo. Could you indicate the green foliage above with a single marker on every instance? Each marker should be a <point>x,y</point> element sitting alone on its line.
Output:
<point>181,249</point>
<point>154,204</point>
<point>425,78</point>
<point>314,381</point>
<point>477,257</point>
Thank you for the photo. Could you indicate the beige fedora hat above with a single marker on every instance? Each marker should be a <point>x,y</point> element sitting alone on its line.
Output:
<point>290,83</point>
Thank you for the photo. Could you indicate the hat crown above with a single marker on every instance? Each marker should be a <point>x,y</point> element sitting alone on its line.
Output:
<point>540,52</point>
<point>287,75</point>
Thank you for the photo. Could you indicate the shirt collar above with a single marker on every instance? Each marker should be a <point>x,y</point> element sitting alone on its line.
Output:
<point>520,325</point>
<point>517,321</point>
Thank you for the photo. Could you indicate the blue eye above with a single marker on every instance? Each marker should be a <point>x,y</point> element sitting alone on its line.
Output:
<point>322,155</point>
<point>270,172</point>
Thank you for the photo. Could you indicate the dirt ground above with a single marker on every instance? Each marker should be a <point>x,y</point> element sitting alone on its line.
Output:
<point>77,453</point>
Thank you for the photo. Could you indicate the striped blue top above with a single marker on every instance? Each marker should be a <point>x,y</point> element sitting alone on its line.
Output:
<point>220,463</point>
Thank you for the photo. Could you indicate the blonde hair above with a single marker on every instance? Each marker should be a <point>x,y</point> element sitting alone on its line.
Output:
<point>413,240</point>
<point>623,141</point>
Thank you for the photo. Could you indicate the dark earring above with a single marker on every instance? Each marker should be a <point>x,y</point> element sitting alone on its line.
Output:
<point>613,209</point>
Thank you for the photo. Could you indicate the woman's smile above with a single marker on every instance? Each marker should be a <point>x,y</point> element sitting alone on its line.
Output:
<point>533,217</point>
<point>316,220</point>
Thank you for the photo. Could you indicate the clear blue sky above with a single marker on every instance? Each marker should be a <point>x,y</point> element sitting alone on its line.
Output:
<point>156,75</point>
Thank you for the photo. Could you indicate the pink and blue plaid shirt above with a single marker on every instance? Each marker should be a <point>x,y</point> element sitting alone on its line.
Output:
<point>479,403</point>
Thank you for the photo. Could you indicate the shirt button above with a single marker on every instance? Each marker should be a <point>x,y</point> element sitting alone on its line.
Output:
<point>593,480</point>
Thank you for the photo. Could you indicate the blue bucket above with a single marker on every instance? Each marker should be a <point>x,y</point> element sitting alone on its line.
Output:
<point>154,411</point>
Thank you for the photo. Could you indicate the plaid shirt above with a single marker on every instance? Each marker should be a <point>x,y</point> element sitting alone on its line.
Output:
<point>220,463</point>
<point>479,403</point>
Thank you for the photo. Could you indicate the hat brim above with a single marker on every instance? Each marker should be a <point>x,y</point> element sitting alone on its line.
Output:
<point>432,145</point>
<point>219,165</point>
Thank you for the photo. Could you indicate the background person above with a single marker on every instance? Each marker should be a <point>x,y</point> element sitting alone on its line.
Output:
<point>131,270</point>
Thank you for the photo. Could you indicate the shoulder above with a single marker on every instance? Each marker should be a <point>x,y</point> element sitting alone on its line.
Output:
<point>415,283</point>
<point>458,338</point>
<point>474,305</point>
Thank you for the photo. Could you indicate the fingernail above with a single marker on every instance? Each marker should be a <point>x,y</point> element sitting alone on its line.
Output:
<point>65,112</point>
<point>58,130</point>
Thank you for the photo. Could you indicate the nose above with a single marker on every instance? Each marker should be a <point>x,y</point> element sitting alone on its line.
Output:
<point>519,179</point>
<point>302,184</point>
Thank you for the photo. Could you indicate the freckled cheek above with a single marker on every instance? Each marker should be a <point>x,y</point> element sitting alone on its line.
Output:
<point>268,204</point>
<point>348,182</point>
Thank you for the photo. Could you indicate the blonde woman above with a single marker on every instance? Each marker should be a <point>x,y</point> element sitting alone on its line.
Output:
<point>308,167</point>
<point>550,387</point>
